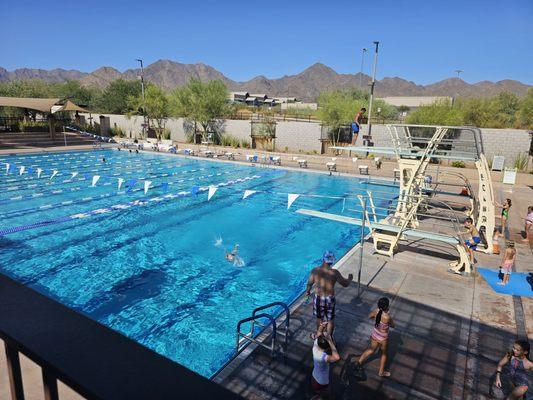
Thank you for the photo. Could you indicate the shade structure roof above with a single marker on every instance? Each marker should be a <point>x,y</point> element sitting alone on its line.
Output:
<point>43,105</point>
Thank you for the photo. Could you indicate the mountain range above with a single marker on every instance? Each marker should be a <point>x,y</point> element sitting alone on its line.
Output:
<point>306,85</point>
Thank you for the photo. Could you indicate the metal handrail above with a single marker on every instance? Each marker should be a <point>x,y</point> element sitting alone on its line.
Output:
<point>250,335</point>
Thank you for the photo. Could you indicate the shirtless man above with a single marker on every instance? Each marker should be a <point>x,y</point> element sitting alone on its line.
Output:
<point>356,125</point>
<point>471,244</point>
<point>324,278</point>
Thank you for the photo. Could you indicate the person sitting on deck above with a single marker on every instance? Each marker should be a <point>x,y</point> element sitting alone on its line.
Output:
<point>517,368</point>
<point>471,244</point>
<point>324,278</point>
<point>324,353</point>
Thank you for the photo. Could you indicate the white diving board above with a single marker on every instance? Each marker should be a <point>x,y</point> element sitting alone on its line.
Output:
<point>379,226</point>
<point>390,151</point>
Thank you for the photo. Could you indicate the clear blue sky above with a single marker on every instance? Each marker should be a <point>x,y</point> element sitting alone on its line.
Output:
<point>421,40</point>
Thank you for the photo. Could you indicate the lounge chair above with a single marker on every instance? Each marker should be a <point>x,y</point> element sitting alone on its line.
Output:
<point>229,155</point>
<point>188,152</point>
<point>363,169</point>
<point>209,153</point>
<point>332,167</point>
<point>251,158</point>
<point>302,163</point>
<point>275,160</point>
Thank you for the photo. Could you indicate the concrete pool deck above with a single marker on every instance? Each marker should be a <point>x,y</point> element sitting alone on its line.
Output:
<point>451,329</point>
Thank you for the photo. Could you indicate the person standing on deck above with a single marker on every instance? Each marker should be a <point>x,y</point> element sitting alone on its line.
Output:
<point>356,124</point>
<point>324,279</point>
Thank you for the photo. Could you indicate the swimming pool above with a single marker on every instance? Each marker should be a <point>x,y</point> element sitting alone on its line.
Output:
<point>146,264</point>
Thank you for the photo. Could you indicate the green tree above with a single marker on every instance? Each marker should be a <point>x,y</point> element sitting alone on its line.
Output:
<point>202,103</point>
<point>336,110</point>
<point>75,92</point>
<point>155,106</point>
<point>114,98</point>
<point>438,113</point>
<point>525,111</point>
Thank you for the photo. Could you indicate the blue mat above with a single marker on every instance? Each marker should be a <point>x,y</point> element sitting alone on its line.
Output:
<point>517,286</point>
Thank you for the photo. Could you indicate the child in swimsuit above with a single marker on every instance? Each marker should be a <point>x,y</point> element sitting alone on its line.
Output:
<point>471,245</point>
<point>518,370</point>
<point>379,336</point>
<point>507,263</point>
<point>506,206</point>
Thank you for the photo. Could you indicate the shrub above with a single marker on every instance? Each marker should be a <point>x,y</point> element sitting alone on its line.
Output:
<point>117,131</point>
<point>166,134</point>
<point>245,144</point>
<point>521,161</point>
<point>458,164</point>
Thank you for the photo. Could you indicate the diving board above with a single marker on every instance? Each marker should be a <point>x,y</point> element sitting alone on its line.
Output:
<point>379,229</point>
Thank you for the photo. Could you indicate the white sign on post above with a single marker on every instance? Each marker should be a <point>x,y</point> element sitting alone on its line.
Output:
<point>498,163</point>
<point>509,176</point>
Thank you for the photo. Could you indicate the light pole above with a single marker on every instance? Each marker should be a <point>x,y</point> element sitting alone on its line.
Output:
<point>363,52</point>
<point>458,72</point>
<point>376,44</point>
<point>144,99</point>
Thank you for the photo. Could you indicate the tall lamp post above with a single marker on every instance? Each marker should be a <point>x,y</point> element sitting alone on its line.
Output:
<point>363,52</point>
<point>144,99</point>
<point>458,72</point>
<point>376,44</point>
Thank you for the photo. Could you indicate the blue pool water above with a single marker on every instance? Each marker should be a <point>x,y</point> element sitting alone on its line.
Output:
<point>146,265</point>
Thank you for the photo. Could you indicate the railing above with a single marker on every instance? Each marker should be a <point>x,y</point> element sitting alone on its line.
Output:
<point>246,338</point>
<point>93,360</point>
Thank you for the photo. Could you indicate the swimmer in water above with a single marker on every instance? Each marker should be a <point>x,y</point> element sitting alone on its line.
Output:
<point>231,257</point>
<point>218,241</point>
<point>103,159</point>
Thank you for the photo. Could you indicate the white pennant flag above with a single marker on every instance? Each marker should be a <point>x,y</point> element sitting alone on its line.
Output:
<point>95,179</point>
<point>248,193</point>
<point>54,173</point>
<point>212,191</point>
<point>120,182</point>
<point>74,174</point>
<point>291,198</point>
<point>22,169</point>
<point>147,186</point>
<point>39,172</point>
<point>7,168</point>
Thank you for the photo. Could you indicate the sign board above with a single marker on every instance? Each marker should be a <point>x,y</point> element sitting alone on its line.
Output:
<point>498,163</point>
<point>509,176</point>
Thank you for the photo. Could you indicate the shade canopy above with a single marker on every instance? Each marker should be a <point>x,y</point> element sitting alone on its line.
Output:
<point>42,105</point>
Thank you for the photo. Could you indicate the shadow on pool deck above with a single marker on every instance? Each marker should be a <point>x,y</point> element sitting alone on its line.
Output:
<point>451,332</point>
<point>432,354</point>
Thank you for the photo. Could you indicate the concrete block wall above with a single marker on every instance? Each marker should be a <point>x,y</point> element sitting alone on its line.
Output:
<point>305,136</point>
<point>296,136</point>
<point>505,142</point>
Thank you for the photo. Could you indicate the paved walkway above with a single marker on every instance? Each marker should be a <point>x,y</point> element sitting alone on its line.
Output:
<point>451,330</point>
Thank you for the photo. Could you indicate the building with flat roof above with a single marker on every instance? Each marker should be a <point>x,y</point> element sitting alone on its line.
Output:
<point>414,101</point>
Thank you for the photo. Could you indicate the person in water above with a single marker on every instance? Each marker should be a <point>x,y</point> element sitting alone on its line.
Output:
<point>324,279</point>
<point>231,256</point>
<point>379,338</point>
<point>518,367</point>
<point>471,244</point>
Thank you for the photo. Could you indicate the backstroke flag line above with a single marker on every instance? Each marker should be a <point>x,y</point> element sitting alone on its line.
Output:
<point>212,191</point>
<point>291,198</point>
<point>95,179</point>
<point>248,193</point>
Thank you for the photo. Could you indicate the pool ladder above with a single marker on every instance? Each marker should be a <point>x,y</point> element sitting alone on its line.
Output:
<point>243,339</point>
